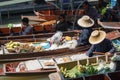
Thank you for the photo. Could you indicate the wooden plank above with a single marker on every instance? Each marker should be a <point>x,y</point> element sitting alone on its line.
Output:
<point>34,18</point>
<point>111,25</point>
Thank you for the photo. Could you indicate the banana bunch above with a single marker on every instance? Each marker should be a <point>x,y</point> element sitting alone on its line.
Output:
<point>12,45</point>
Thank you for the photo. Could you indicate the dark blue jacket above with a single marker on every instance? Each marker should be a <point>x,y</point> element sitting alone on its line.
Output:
<point>84,37</point>
<point>104,46</point>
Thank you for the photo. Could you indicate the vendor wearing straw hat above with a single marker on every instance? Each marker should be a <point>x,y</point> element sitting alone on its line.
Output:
<point>86,23</point>
<point>100,44</point>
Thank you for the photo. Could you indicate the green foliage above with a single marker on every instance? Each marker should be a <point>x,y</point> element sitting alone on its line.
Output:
<point>104,70</point>
<point>90,69</point>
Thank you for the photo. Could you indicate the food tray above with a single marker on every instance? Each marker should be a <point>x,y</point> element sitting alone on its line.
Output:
<point>43,61</point>
<point>78,57</point>
<point>62,59</point>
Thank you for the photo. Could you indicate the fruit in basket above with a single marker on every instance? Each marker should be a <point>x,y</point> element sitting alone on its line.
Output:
<point>68,38</point>
<point>81,68</point>
<point>49,63</point>
<point>24,48</point>
<point>8,44</point>
<point>72,73</point>
<point>12,44</point>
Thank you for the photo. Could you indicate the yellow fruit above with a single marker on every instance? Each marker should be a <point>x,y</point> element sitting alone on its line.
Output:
<point>81,68</point>
<point>68,38</point>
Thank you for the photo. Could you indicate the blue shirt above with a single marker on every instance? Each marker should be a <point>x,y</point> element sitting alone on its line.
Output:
<point>27,30</point>
<point>104,46</point>
<point>84,37</point>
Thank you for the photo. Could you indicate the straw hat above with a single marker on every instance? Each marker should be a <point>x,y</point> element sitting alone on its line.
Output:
<point>86,21</point>
<point>97,36</point>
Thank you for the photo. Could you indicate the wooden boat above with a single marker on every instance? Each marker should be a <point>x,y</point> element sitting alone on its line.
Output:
<point>33,38</point>
<point>56,55</point>
<point>92,61</point>
<point>111,25</point>
<point>6,56</point>
<point>52,14</point>
<point>37,28</point>
<point>39,65</point>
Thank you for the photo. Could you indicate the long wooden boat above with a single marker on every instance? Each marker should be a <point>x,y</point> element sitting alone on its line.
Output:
<point>39,65</point>
<point>59,57</point>
<point>33,37</point>
<point>6,56</point>
<point>93,61</point>
<point>111,25</point>
<point>53,14</point>
<point>37,28</point>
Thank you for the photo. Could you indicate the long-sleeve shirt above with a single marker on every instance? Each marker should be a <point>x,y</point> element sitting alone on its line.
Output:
<point>92,12</point>
<point>27,30</point>
<point>84,37</point>
<point>104,46</point>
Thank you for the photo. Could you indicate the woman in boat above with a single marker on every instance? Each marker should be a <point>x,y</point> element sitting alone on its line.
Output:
<point>62,24</point>
<point>28,28</point>
<point>90,11</point>
<point>100,44</point>
<point>86,23</point>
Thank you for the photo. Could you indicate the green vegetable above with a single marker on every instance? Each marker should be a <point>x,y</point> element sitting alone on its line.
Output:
<point>90,69</point>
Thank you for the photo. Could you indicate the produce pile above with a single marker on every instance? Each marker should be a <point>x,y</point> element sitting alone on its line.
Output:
<point>57,41</point>
<point>22,47</point>
<point>79,71</point>
<point>101,67</point>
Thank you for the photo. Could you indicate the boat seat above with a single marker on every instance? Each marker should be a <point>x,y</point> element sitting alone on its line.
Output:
<point>16,29</point>
<point>37,29</point>
<point>47,28</point>
<point>5,31</point>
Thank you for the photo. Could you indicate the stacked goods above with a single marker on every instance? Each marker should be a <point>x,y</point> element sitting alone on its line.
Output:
<point>88,67</point>
<point>79,71</point>
<point>12,45</point>
<point>18,47</point>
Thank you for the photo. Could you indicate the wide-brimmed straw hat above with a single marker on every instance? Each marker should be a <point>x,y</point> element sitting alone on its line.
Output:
<point>97,36</point>
<point>86,21</point>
